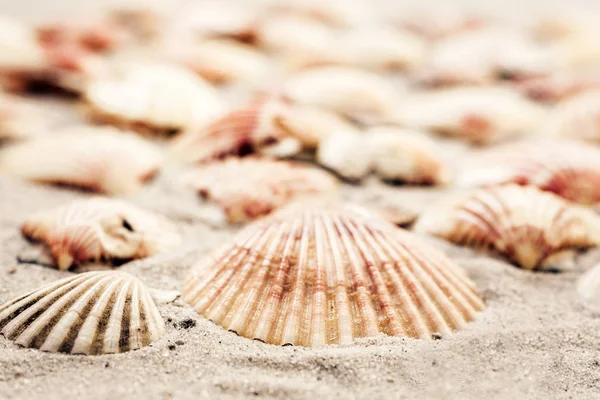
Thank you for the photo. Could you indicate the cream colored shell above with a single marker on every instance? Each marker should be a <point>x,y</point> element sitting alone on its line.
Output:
<point>20,50</point>
<point>577,117</point>
<point>588,288</point>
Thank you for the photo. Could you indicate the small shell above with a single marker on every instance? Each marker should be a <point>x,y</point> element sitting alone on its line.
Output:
<point>160,98</point>
<point>576,118</point>
<point>568,168</point>
<point>437,22</point>
<point>99,159</point>
<point>349,91</point>
<point>559,86</point>
<point>314,275</point>
<point>588,288</point>
<point>20,118</point>
<point>91,313</point>
<point>335,13</point>
<point>531,227</point>
<point>249,188</point>
<point>253,128</point>
<point>344,152</point>
<point>19,47</point>
<point>100,229</point>
<point>477,115</point>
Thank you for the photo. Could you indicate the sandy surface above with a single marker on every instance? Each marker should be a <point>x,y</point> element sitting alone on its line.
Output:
<point>534,340</point>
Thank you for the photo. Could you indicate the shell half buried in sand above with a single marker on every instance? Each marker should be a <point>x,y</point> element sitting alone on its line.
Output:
<point>588,289</point>
<point>568,168</point>
<point>313,275</point>
<point>535,229</point>
<point>249,188</point>
<point>100,229</point>
<point>153,98</point>
<point>99,159</point>
<point>92,313</point>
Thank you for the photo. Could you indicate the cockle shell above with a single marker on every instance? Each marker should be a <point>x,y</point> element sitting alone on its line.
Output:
<point>99,159</point>
<point>576,118</point>
<point>344,152</point>
<point>313,275</point>
<point>253,128</point>
<point>588,288</point>
<point>91,313</point>
<point>569,168</point>
<point>477,115</point>
<point>560,85</point>
<point>531,227</point>
<point>157,97</point>
<point>349,91</point>
<point>249,188</point>
<point>100,229</point>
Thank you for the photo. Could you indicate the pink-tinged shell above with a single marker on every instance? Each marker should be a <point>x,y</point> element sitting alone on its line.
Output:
<point>588,288</point>
<point>568,168</point>
<point>479,115</point>
<point>530,227</point>
<point>314,275</point>
<point>253,128</point>
<point>100,229</point>
<point>98,159</point>
<point>248,188</point>
<point>559,86</point>
<point>92,313</point>
<point>576,118</point>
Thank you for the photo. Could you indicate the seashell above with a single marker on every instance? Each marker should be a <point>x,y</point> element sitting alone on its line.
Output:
<point>154,97</point>
<point>98,159</point>
<point>569,169</point>
<point>100,229</point>
<point>477,115</point>
<point>20,118</point>
<point>349,91</point>
<point>576,118</point>
<point>19,47</point>
<point>313,275</point>
<point>344,152</point>
<point>253,128</point>
<point>439,22</point>
<point>92,313</point>
<point>530,227</point>
<point>249,188</point>
<point>335,13</point>
<point>144,20</point>
<point>559,86</point>
<point>588,288</point>
<point>95,36</point>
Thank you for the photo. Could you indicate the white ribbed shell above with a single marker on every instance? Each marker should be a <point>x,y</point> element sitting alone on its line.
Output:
<point>90,313</point>
<point>314,275</point>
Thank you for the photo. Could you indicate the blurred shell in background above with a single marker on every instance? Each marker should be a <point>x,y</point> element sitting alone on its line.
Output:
<point>577,117</point>
<point>20,49</point>
<point>588,288</point>
<point>559,86</point>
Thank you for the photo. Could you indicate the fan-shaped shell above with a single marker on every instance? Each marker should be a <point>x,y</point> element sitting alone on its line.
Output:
<point>477,115</point>
<point>253,128</point>
<point>100,228</point>
<point>588,288</point>
<point>527,225</point>
<point>98,159</point>
<point>315,275</point>
<point>568,168</point>
<point>91,313</point>
<point>576,118</point>
<point>248,188</point>
<point>155,97</point>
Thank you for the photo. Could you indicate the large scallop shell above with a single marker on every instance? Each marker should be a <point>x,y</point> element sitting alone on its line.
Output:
<point>568,168</point>
<point>100,229</point>
<point>99,159</point>
<point>248,188</point>
<point>576,118</point>
<point>531,227</point>
<point>154,97</point>
<point>91,313</point>
<point>313,275</point>
<point>477,115</point>
<point>253,128</point>
<point>588,288</point>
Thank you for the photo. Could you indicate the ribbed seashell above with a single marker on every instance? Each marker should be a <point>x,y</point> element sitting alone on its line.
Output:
<point>559,86</point>
<point>249,188</point>
<point>154,97</point>
<point>349,91</point>
<point>570,169</point>
<point>100,159</point>
<point>530,227</point>
<point>19,48</point>
<point>100,229</point>
<point>313,275</point>
<point>576,118</point>
<point>252,128</point>
<point>588,288</point>
<point>91,313</point>
<point>477,115</point>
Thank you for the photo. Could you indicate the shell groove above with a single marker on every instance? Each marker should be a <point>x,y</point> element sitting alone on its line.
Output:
<point>313,275</point>
<point>91,313</point>
<point>567,168</point>
<point>248,188</point>
<point>100,228</point>
<point>530,227</point>
<point>99,159</point>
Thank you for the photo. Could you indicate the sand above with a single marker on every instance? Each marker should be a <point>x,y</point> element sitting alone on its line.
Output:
<point>535,340</point>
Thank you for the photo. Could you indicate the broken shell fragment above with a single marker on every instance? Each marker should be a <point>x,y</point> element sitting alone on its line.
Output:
<point>534,229</point>
<point>588,288</point>
<point>153,97</point>
<point>99,159</point>
<point>91,313</point>
<point>100,229</point>
<point>248,188</point>
<point>568,168</point>
<point>312,275</point>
